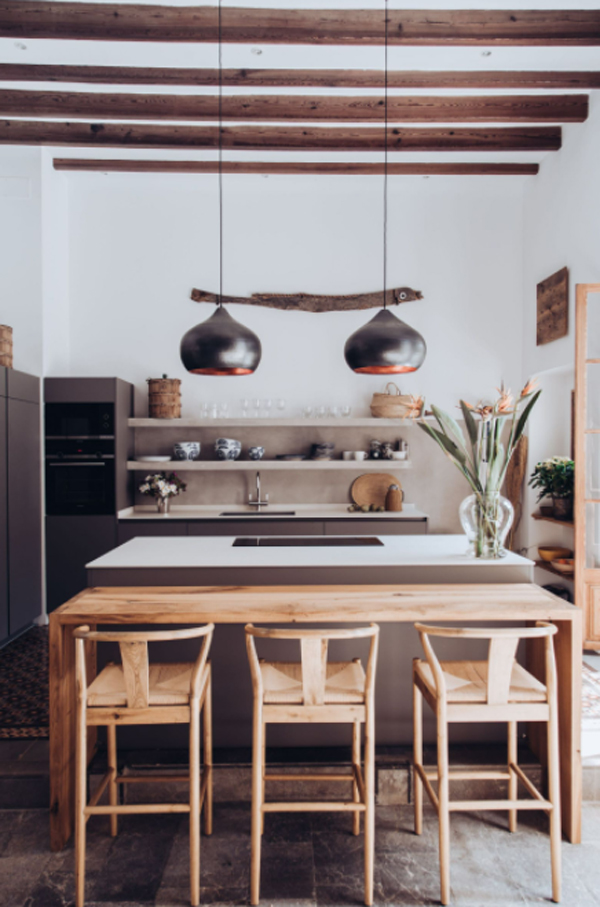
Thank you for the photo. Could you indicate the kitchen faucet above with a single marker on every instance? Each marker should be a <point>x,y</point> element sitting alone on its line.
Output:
<point>258,503</point>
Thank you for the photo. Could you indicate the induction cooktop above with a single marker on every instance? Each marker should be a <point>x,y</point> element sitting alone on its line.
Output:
<point>289,541</point>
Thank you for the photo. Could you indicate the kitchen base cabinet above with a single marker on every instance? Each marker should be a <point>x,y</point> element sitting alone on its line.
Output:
<point>376,527</point>
<point>263,525</point>
<point>21,507</point>
<point>256,526</point>
<point>71,542</point>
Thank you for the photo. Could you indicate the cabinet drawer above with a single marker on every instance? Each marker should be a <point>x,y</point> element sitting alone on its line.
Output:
<point>256,526</point>
<point>360,526</point>
<point>129,529</point>
<point>593,615</point>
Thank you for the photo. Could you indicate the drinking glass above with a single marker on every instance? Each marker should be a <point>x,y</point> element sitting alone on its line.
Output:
<point>346,411</point>
<point>307,411</point>
<point>223,410</point>
<point>267,406</point>
<point>204,411</point>
<point>281,405</point>
<point>321,412</point>
<point>334,412</point>
<point>244,406</point>
<point>214,410</point>
<point>256,405</point>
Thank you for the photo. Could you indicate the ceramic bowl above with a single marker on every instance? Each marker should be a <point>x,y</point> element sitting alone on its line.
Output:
<point>227,448</point>
<point>398,455</point>
<point>550,552</point>
<point>359,455</point>
<point>256,453</point>
<point>227,442</point>
<point>186,450</point>
<point>564,565</point>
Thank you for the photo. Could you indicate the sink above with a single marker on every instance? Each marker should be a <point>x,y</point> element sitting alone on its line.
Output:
<point>258,513</point>
<point>307,541</point>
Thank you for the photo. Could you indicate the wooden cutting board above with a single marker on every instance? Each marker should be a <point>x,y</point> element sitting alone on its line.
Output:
<point>372,487</point>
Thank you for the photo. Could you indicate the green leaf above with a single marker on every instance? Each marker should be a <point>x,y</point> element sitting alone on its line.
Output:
<point>524,417</point>
<point>449,425</point>
<point>469,422</point>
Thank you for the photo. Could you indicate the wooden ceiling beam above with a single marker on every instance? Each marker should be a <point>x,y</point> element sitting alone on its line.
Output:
<point>279,168</point>
<point>140,22</point>
<point>297,78</point>
<point>567,108</point>
<point>280,138</point>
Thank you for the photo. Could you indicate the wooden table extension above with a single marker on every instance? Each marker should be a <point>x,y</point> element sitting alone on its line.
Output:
<point>474,603</point>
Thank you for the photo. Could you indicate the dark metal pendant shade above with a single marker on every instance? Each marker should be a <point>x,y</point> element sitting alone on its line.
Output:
<point>220,346</point>
<point>385,346</point>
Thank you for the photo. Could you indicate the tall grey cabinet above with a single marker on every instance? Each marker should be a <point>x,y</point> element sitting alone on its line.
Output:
<point>20,502</point>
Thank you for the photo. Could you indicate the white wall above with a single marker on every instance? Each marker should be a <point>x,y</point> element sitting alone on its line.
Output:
<point>138,245</point>
<point>21,254</point>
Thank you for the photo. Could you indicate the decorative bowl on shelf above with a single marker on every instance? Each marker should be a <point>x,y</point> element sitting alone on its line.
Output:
<point>227,448</point>
<point>256,453</point>
<point>186,450</point>
<point>564,565</point>
<point>550,552</point>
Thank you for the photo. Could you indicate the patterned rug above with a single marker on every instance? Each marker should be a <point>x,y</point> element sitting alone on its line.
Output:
<point>24,686</point>
<point>591,692</point>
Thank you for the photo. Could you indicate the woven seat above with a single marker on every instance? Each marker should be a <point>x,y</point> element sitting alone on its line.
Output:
<point>168,684</point>
<point>467,681</point>
<point>282,682</point>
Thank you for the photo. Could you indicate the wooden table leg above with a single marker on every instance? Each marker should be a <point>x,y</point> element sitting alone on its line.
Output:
<point>568,644</point>
<point>62,729</point>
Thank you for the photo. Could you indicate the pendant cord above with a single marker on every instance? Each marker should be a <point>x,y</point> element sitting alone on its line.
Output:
<point>220,302</point>
<point>385,160</point>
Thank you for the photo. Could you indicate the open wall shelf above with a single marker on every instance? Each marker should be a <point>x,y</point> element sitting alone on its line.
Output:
<point>358,466</point>
<point>552,519</point>
<point>367,422</point>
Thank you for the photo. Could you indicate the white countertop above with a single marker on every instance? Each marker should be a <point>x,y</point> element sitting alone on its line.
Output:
<point>217,551</point>
<point>273,511</point>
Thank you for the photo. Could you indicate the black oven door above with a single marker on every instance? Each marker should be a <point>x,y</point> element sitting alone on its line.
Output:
<point>80,487</point>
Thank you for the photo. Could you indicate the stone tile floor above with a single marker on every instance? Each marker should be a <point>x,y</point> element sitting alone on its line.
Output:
<point>307,861</point>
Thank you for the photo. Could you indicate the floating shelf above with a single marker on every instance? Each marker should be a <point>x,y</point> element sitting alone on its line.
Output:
<point>546,565</point>
<point>552,519</point>
<point>367,422</point>
<point>358,466</point>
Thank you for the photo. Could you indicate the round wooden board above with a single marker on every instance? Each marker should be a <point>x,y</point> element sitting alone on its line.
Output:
<point>372,487</point>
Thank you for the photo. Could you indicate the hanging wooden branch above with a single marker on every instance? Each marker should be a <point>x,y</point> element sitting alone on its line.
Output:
<point>306,302</point>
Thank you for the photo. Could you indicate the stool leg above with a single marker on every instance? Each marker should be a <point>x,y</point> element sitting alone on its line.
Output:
<point>356,762</point>
<point>258,757</point>
<point>369,804</point>
<point>554,797</point>
<point>111,741</point>
<point>207,741</point>
<point>444,812</point>
<point>80,803</point>
<point>194,803</point>
<point>512,781</point>
<point>418,756</point>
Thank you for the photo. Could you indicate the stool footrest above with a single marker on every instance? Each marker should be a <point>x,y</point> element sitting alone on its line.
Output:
<point>467,805</point>
<point>298,806</point>
<point>137,808</point>
<point>325,776</point>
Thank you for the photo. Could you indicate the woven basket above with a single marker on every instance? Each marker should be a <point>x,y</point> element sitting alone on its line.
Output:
<point>164,398</point>
<point>392,404</point>
<point>6,346</point>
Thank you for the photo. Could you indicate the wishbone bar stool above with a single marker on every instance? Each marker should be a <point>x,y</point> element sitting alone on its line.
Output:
<point>137,692</point>
<point>498,689</point>
<point>315,691</point>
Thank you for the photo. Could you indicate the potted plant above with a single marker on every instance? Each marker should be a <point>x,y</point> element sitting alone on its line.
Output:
<point>482,458</point>
<point>162,486</point>
<point>555,478</point>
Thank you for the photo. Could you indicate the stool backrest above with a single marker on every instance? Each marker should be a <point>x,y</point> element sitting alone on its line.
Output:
<point>133,646</point>
<point>502,651</point>
<point>314,645</point>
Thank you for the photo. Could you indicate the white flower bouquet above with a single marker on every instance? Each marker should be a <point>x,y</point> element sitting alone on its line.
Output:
<point>162,485</point>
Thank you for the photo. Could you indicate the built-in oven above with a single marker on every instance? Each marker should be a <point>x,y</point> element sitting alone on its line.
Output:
<point>80,476</point>
<point>80,420</point>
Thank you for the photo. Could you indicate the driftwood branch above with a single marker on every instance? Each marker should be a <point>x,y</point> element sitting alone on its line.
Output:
<point>306,302</point>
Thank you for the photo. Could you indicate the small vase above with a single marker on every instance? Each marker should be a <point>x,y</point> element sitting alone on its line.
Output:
<point>562,508</point>
<point>163,504</point>
<point>486,520</point>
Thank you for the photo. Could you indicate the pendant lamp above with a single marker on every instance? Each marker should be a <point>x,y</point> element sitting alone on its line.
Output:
<point>220,345</point>
<point>385,345</point>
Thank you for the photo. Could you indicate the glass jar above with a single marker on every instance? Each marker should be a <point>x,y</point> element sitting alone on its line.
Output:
<point>486,520</point>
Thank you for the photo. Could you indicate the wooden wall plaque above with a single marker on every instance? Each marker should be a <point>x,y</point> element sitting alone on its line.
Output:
<point>553,307</point>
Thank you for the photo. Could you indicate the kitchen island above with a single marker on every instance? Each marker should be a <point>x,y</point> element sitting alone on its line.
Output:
<point>300,559</point>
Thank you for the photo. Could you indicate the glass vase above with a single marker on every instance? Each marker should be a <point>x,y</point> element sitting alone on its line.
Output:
<point>163,504</point>
<point>486,520</point>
